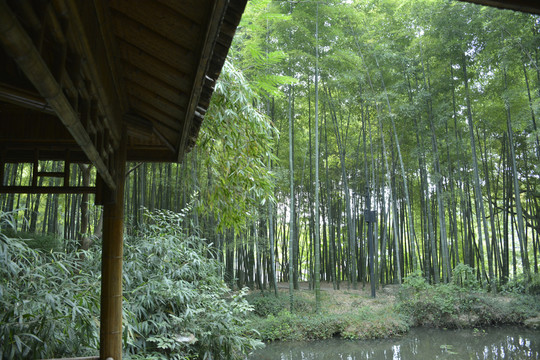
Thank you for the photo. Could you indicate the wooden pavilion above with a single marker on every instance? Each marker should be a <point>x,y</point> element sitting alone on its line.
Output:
<point>105,82</point>
<point>109,81</point>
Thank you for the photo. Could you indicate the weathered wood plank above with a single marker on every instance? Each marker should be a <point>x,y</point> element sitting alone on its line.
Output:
<point>155,67</point>
<point>141,93</point>
<point>85,34</point>
<point>165,136</point>
<point>24,98</point>
<point>151,154</point>
<point>155,85</point>
<point>196,10</point>
<point>160,19</point>
<point>111,49</point>
<point>153,44</point>
<point>155,114</point>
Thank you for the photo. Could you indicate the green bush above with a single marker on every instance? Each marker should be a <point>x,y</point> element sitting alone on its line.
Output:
<point>287,326</point>
<point>321,326</point>
<point>464,277</point>
<point>48,300</point>
<point>366,323</point>
<point>520,285</point>
<point>462,304</point>
<point>42,242</point>
<point>533,287</point>
<point>173,291</point>
<point>278,327</point>
<point>415,281</point>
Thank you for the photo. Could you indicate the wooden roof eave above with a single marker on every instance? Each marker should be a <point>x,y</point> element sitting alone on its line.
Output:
<point>212,34</point>
<point>529,6</point>
<point>20,47</point>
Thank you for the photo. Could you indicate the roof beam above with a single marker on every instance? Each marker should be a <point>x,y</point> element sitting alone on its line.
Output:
<point>20,47</point>
<point>47,190</point>
<point>24,98</point>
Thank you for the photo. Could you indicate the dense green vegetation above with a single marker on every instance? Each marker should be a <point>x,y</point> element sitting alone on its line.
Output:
<point>428,109</point>
<point>176,305</point>
<point>355,142</point>
<point>427,106</point>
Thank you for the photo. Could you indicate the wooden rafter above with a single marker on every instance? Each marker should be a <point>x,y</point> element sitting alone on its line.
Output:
<point>109,96</point>
<point>20,47</point>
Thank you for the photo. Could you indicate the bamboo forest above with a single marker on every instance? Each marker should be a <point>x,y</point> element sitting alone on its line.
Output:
<point>351,145</point>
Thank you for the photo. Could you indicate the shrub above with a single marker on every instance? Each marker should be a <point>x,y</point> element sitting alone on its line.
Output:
<point>533,286</point>
<point>279,327</point>
<point>322,326</point>
<point>267,303</point>
<point>287,326</point>
<point>174,292</point>
<point>366,323</point>
<point>464,277</point>
<point>48,301</point>
<point>520,285</point>
<point>462,304</point>
<point>42,242</point>
<point>415,281</point>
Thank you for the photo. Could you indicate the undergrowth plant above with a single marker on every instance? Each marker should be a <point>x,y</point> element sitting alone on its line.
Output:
<point>176,304</point>
<point>462,302</point>
<point>49,301</point>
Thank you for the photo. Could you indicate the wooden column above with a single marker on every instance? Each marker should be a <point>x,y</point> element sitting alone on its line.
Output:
<point>110,335</point>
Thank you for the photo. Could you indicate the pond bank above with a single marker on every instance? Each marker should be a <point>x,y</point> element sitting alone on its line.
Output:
<point>419,343</point>
<point>353,314</point>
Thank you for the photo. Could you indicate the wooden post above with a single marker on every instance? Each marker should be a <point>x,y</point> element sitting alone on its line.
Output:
<point>110,335</point>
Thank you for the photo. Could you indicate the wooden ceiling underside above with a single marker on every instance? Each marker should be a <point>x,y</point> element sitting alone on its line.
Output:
<point>530,6</point>
<point>78,77</point>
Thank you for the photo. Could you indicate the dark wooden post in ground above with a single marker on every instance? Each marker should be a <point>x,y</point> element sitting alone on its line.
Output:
<point>110,334</point>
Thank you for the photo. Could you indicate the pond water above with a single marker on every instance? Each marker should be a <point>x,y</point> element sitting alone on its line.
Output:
<point>420,343</point>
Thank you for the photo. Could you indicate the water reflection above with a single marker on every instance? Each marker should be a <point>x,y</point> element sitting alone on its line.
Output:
<point>491,344</point>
